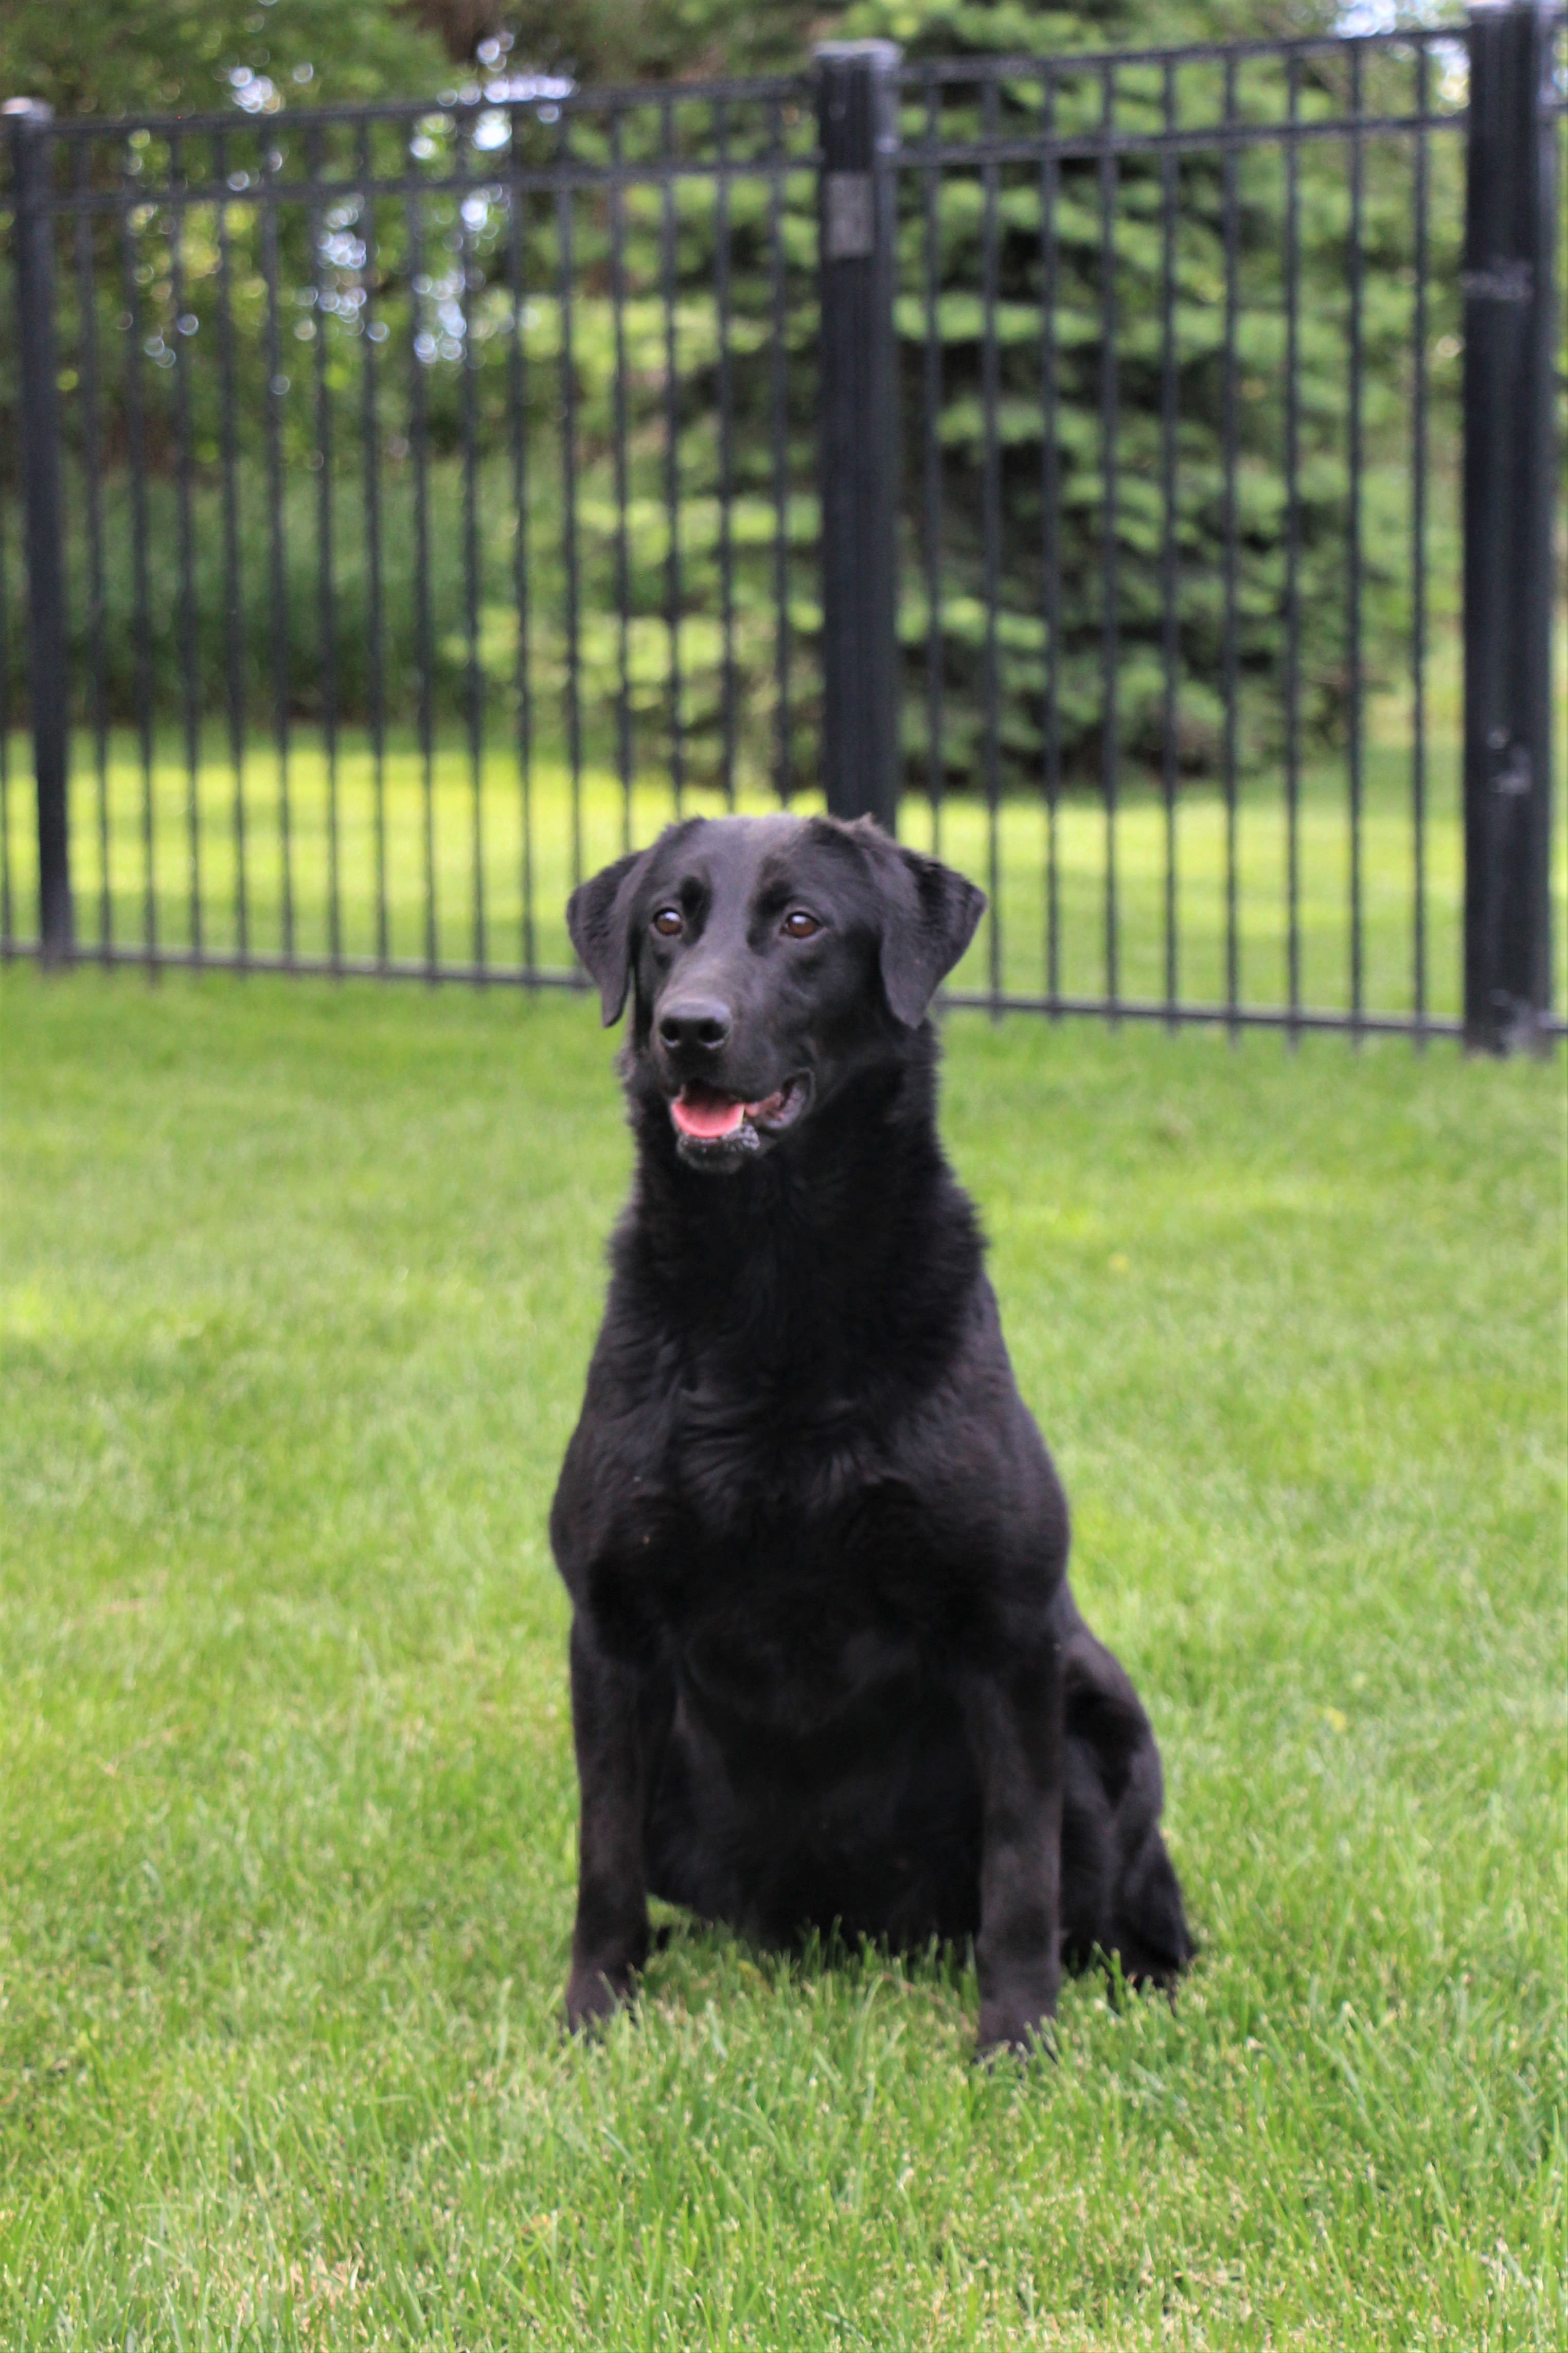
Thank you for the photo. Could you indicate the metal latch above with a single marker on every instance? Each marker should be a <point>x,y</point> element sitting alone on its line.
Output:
<point>850,218</point>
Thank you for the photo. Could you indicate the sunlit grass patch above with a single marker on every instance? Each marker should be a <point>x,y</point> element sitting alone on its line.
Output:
<point>444,863</point>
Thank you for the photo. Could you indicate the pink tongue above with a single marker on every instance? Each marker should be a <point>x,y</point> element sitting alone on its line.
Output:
<point>706,1116</point>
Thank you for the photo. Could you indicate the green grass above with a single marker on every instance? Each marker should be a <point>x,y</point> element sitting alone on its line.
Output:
<point>484,836</point>
<point>299,1285</point>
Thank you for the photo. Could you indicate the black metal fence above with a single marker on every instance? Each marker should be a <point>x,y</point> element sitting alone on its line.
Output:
<point>1132,474</point>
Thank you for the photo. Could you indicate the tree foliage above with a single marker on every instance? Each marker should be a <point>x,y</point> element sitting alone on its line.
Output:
<point>126,57</point>
<point>131,56</point>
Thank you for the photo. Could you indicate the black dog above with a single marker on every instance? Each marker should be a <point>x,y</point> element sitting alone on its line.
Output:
<point>825,1666</point>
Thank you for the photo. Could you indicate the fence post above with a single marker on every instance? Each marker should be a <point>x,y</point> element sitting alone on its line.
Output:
<point>857,130</point>
<point>1509,501</point>
<point>29,120</point>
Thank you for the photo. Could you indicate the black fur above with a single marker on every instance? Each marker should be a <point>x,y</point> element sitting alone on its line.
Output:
<point>827,1669</point>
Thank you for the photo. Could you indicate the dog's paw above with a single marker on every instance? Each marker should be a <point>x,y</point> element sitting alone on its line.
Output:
<point>1016,2026</point>
<point>1020,2038</point>
<point>593,1994</point>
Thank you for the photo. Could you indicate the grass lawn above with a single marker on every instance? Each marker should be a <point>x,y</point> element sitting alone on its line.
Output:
<point>483,875</point>
<point>300,1286</point>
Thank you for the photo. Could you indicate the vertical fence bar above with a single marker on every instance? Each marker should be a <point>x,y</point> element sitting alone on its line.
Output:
<point>278,582</point>
<point>473,686</point>
<point>1050,531</point>
<point>92,485</point>
<point>7,925</point>
<point>190,708</point>
<point>31,156</point>
<point>136,469</point>
<point>1293,553</point>
<point>1418,561</point>
<point>473,694</point>
<point>326,592</point>
<point>1510,491</point>
<point>932,452</point>
<point>374,331</point>
<point>857,125</point>
<point>672,594</point>
<point>1109,587</point>
<point>991,544</point>
<point>726,458</point>
<point>1170,647</point>
<point>423,635</point>
<point>568,384</point>
<point>617,202</point>
<point>517,394</point>
<point>778,437</point>
<point>1353,682</point>
<point>233,614</point>
<point>1230,665</point>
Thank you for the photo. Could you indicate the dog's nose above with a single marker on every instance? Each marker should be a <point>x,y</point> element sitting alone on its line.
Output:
<point>700,1021</point>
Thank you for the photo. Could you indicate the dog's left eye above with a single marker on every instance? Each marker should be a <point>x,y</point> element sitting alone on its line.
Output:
<point>798,925</point>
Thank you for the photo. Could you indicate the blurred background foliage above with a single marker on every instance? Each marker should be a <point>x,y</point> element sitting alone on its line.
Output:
<point>122,57</point>
<point>398,367</point>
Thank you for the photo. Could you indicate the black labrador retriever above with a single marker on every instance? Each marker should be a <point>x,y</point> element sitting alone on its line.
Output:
<point>826,1670</point>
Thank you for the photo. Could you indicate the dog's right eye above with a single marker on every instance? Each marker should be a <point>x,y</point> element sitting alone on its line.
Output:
<point>668,923</point>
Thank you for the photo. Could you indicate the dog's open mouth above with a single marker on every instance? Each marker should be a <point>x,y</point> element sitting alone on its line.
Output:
<point>710,1120</point>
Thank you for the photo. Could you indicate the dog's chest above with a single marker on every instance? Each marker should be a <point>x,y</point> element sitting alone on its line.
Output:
<point>737,1464</point>
<point>792,1652</point>
<point>782,1570</point>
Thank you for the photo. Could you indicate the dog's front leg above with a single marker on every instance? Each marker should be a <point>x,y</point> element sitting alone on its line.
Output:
<point>610,1939</point>
<point>1015,1718</point>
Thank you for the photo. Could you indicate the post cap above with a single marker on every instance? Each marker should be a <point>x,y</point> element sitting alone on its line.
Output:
<point>33,109</point>
<point>884,54</point>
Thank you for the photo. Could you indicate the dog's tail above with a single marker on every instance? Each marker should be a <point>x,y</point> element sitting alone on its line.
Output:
<point>1152,1938</point>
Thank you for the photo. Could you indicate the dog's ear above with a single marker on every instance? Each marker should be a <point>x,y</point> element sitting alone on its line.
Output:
<point>929,917</point>
<point>599,917</point>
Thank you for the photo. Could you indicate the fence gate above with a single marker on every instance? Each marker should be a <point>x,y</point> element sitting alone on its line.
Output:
<point>1133,475</point>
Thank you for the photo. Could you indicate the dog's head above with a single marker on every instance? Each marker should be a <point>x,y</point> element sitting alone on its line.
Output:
<point>769,959</point>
